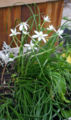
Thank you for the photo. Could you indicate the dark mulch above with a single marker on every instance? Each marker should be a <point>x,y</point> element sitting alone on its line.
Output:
<point>7,84</point>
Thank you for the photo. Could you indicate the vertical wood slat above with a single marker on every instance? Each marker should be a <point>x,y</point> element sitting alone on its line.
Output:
<point>53,10</point>
<point>9,16</point>
<point>1,27</point>
<point>59,13</point>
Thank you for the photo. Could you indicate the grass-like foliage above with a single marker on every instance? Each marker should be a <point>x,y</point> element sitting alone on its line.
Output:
<point>42,78</point>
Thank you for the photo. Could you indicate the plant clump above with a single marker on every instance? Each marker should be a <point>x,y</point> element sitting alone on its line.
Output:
<point>42,77</point>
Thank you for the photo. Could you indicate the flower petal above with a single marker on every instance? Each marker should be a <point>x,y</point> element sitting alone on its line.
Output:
<point>34,36</point>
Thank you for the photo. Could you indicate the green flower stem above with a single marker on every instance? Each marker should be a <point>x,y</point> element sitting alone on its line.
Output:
<point>21,53</point>
<point>17,39</point>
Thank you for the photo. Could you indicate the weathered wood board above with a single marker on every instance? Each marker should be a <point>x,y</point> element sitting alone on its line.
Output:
<point>10,16</point>
<point>6,3</point>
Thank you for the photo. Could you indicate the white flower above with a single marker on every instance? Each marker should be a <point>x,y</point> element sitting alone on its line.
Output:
<point>5,58</point>
<point>51,27</point>
<point>14,32</point>
<point>40,36</point>
<point>23,25</point>
<point>46,19</point>
<point>59,32</point>
<point>30,46</point>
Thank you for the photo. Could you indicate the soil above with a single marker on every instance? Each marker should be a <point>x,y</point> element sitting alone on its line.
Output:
<point>6,85</point>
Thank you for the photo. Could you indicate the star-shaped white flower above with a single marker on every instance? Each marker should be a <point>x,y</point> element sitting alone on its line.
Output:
<point>30,46</point>
<point>46,19</point>
<point>23,26</point>
<point>40,36</point>
<point>59,32</point>
<point>51,28</point>
<point>14,32</point>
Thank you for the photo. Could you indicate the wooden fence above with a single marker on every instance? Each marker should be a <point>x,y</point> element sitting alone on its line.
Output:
<point>10,15</point>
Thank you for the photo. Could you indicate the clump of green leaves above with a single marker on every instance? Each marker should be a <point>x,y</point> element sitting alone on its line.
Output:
<point>42,86</point>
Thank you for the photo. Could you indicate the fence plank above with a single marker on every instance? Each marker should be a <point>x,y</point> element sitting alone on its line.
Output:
<point>8,19</point>
<point>6,3</point>
<point>53,10</point>
<point>10,16</point>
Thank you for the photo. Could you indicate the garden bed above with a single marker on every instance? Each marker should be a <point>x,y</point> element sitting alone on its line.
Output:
<point>36,80</point>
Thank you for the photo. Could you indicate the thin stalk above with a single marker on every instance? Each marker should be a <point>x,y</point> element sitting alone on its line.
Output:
<point>3,73</point>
